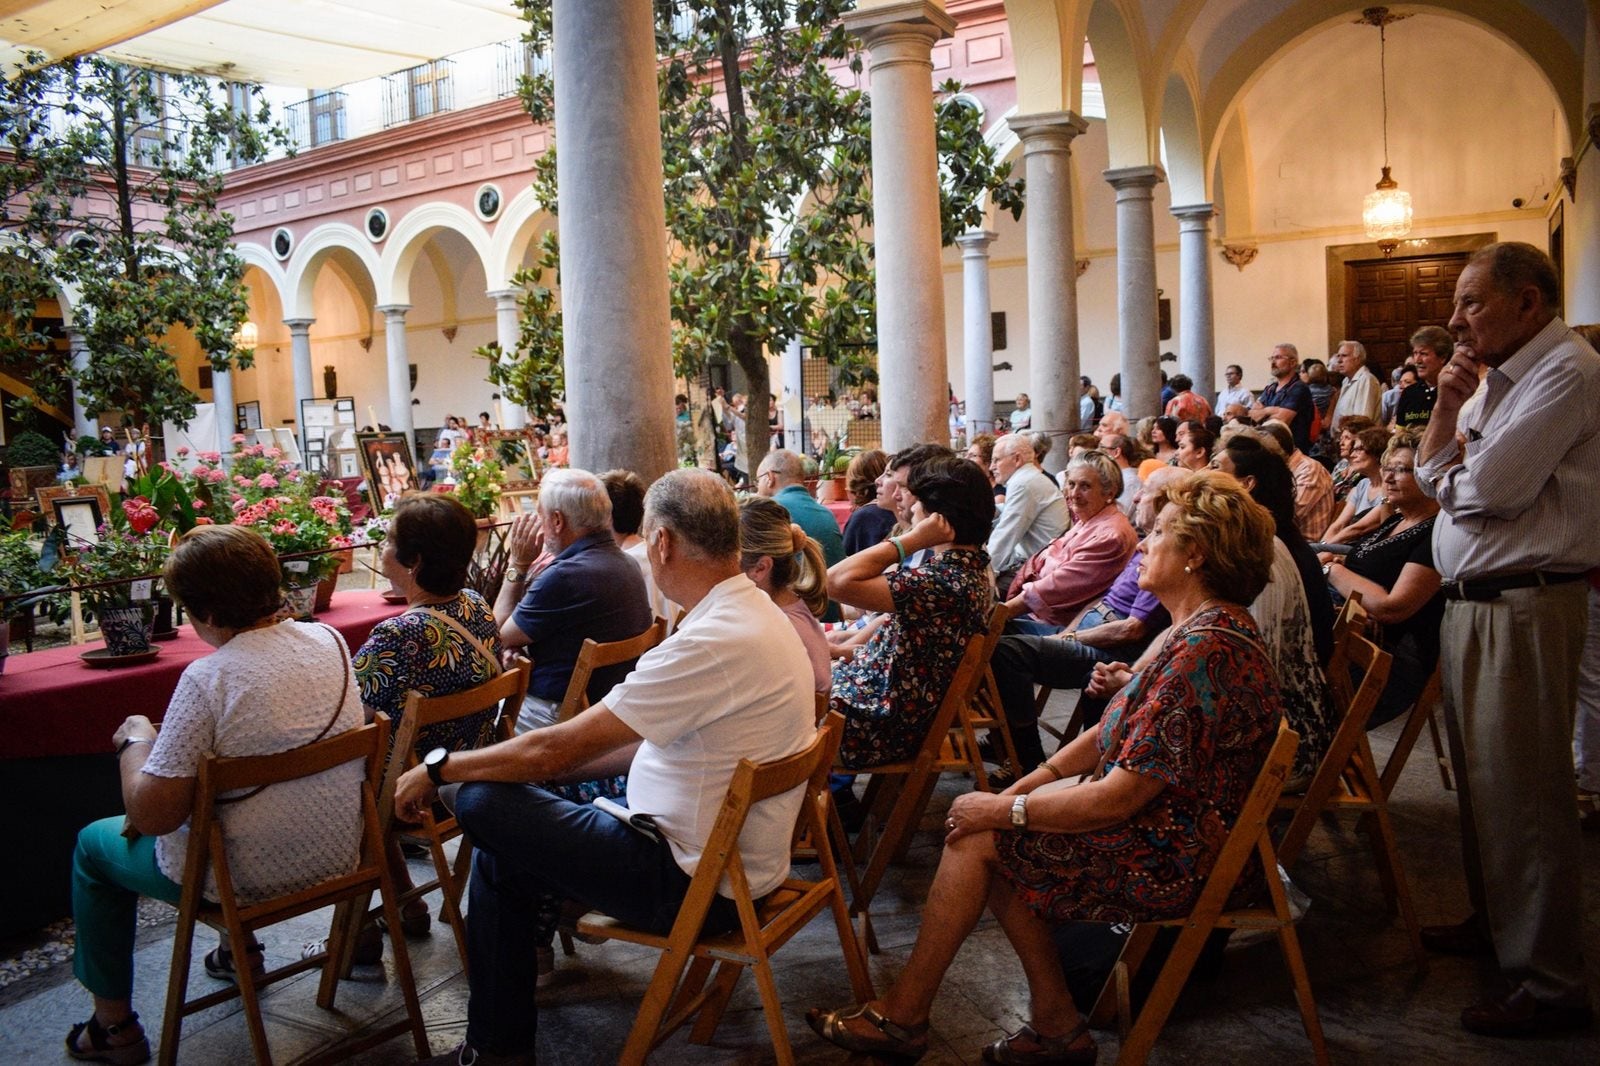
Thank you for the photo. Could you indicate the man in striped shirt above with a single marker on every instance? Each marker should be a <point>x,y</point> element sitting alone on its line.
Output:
<point>1518,482</point>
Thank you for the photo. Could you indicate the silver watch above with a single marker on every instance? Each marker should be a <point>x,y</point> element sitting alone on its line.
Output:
<point>1019,813</point>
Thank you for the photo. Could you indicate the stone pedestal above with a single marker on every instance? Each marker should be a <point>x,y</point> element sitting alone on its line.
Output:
<point>506,331</point>
<point>1197,355</point>
<point>1053,375</point>
<point>613,238</point>
<point>1139,327</point>
<point>912,370</point>
<point>978,356</point>
<point>399,366</point>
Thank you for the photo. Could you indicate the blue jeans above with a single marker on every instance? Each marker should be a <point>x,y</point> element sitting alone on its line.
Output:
<point>109,874</point>
<point>532,845</point>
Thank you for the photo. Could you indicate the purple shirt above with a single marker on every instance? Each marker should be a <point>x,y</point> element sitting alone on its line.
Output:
<point>1127,598</point>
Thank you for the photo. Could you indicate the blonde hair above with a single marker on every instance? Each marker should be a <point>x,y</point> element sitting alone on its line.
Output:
<point>1217,517</point>
<point>765,531</point>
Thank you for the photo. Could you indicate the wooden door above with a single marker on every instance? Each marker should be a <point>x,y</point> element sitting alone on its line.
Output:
<point>1387,300</point>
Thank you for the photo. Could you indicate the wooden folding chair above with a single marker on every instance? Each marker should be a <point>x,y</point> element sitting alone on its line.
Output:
<point>1347,778</point>
<point>207,852</point>
<point>764,927</point>
<point>594,656</point>
<point>420,712</point>
<point>1422,713</point>
<point>1250,834</point>
<point>984,712</point>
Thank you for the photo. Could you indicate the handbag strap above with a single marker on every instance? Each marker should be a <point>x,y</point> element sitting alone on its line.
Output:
<point>466,634</point>
<point>344,693</point>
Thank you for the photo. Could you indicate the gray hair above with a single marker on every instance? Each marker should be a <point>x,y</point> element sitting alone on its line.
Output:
<point>1013,442</point>
<point>700,510</point>
<point>1287,347</point>
<point>1517,265</point>
<point>1039,441</point>
<point>579,496</point>
<point>1357,349</point>
<point>788,465</point>
<point>1103,468</point>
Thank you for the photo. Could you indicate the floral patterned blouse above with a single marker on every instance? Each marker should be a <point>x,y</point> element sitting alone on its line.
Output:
<point>1200,719</point>
<point>888,692</point>
<point>419,651</point>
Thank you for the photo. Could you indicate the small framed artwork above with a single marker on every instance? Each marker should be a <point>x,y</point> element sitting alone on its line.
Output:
<point>48,495</point>
<point>514,501</point>
<point>80,516</point>
<point>386,464</point>
<point>247,416</point>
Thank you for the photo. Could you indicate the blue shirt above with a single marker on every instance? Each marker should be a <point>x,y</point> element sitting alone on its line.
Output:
<point>591,590</point>
<point>1296,397</point>
<point>815,519</point>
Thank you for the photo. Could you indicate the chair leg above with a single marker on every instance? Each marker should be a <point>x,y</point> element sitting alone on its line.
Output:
<point>452,880</point>
<point>1419,716</point>
<point>1164,996</point>
<point>1105,1009</point>
<point>402,960</point>
<point>249,995</point>
<point>716,1001</point>
<point>772,1007</point>
<point>1289,945</point>
<point>177,986</point>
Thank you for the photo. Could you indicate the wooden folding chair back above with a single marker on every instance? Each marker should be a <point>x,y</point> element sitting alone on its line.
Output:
<point>1352,622</point>
<point>207,851</point>
<point>503,693</point>
<point>764,926</point>
<point>984,712</point>
<point>1250,835</point>
<point>594,656</point>
<point>1347,781</point>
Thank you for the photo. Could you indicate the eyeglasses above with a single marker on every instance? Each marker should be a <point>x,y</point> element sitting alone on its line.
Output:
<point>1396,471</point>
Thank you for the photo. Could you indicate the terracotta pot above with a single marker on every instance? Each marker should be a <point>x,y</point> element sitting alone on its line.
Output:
<point>325,589</point>
<point>831,490</point>
<point>347,561</point>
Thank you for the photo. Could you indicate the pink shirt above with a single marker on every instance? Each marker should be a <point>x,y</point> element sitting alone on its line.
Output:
<point>805,623</point>
<point>1069,572</point>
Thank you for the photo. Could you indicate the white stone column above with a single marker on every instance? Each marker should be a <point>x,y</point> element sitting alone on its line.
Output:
<point>613,238</point>
<point>1197,357</point>
<point>792,399</point>
<point>1137,315</point>
<point>300,362</point>
<point>1053,384</point>
<point>82,424</point>
<point>222,401</point>
<point>507,329</point>
<point>977,332</point>
<point>399,367</point>
<point>912,371</point>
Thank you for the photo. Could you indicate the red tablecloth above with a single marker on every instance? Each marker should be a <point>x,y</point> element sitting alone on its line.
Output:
<point>841,511</point>
<point>53,704</point>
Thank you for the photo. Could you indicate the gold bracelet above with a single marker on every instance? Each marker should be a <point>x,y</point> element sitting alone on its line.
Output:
<point>1046,766</point>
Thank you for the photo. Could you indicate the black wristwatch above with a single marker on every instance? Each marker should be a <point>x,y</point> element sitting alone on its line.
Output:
<point>434,761</point>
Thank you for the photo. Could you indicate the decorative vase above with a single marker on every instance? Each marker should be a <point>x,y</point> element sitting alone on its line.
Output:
<point>301,601</point>
<point>127,629</point>
<point>163,628</point>
<point>325,589</point>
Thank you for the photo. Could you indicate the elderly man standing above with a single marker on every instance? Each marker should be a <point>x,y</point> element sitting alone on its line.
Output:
<point>782,477</point>
<point>732,683</point>
<point>1513,539</point>
<point>1361,394</point>
<point>1287,399</point>
<point>1034,513</point>
<point>589,589</point>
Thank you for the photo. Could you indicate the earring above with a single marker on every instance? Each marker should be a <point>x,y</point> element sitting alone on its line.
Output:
<point>1188,569</point>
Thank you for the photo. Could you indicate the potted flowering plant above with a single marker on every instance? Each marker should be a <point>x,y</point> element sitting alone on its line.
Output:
<point>478,478</point>
<point>118,577</point>
<point>300,529</point>
<point>19,575</point>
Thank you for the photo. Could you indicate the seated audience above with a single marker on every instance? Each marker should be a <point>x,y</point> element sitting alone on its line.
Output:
<point>1115,629</point>
<point>1403,377</point>
<point>1080,564</point>
<point>1392,567</point>
<point>870,522</point>
<point>981,451</point>
<point>1177,753</point>
<point>1034,513</point>
<point>1313,488</point>
<point>445,642</point>
<point>732,683</point>
<point>1344,478</point>
<point>1187,405</point>
<point>590,589</point>
<point>888,691</point>
<point>626,491</point>
<point>787,565</point>
<point>1113,424</point>
<point>1125,452</point>
<point>1195,442</point>
<point>1361,511</point>
<point>782,476</point>
<point>270,686</point>
<point>1161,438</point>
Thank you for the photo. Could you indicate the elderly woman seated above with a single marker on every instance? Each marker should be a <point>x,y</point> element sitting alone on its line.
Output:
<point>1392,567</point>
<point>1173,760</point>
<point>1079,565</point>
<point>890,689</point>
<point>873,516</point>
<point>787,565</point>
<point>270,686</point>
<point>1362,508</point>
<point>446,641</point>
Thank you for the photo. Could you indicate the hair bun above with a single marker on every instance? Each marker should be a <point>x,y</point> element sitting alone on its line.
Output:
<point>799,536</point>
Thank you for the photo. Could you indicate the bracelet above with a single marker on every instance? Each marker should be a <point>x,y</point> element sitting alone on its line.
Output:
<point>900,548</point>
<point>130,741</point>
<point>1046,766</point>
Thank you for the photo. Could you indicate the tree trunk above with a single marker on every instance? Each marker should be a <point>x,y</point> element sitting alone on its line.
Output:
<point>757,433</point>
<point>705,426</point>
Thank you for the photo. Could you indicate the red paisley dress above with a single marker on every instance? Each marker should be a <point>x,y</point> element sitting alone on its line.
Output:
<point>1201,718</point>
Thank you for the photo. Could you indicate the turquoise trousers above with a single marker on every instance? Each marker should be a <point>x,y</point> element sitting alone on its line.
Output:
<point>109,874</point>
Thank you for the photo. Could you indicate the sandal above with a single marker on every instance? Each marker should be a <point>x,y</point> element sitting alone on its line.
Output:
<point>906,1042</point>
<point>219,964</point>
<point>100,1047</point>
<point>1045,1049</point>
<point>415,921</point>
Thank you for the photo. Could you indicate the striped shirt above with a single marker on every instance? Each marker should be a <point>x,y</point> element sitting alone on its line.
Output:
<point>1526,496</point>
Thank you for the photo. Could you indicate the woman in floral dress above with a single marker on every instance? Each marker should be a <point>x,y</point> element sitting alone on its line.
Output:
<point>1174,758</point>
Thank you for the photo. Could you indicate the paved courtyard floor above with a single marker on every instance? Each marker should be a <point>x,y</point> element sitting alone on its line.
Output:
<point>1375,1005</point>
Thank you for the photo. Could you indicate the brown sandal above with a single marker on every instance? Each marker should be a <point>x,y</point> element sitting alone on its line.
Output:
<point>1046,1050</point>
<point>905,1042</point>
<point>100,1047</point>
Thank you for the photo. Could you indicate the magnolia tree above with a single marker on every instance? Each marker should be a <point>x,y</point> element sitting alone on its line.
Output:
<point>109,180</point>
<point>767,162</point>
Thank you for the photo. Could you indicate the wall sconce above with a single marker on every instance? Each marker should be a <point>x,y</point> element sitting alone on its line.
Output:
<point>247,335</point>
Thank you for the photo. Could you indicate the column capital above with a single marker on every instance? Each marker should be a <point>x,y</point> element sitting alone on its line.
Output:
<point>1048,129</point>
<point>909,17</point>
<point>501,294</point>
<point>393,311</point>
<point>975,243</point>
<point>1199,215</point>
<point>1122,178</point>
<point>299,325</point>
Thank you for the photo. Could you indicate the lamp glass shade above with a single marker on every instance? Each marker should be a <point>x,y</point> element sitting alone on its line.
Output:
<point>247,335</point>
<point>1386,213</point>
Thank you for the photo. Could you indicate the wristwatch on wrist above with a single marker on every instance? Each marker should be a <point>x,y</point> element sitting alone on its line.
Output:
<point>130,742</point>
<point>434,762</point>
<point>1019,813</point>
<point>515,573</point>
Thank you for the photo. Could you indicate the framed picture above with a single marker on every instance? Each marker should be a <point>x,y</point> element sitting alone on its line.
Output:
<point>247,416</point>
<point>519,501</point>
<point>48,495</point>
<point>80,516</point>
<point>387,466</point>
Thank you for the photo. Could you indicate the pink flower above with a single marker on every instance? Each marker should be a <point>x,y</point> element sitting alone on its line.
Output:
<point>286,528</point>
<point>237,438</point>
<point>182,451</point>
<point>242,481</point>
<point>209,457</point>
<point>341,542</point>
<point>266,481</point>
<point>273,453</point>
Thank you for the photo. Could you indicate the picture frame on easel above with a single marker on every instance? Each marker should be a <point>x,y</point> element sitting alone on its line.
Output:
<point>387,465</point>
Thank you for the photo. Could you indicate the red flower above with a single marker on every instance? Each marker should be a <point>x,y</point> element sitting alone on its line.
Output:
<point>142,517</point>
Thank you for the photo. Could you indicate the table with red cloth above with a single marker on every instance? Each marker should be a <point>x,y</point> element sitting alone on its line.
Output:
<point>59,774</point>
<point>840,509</point>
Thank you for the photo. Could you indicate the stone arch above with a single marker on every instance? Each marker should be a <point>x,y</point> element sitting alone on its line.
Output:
<point>258,258</point>
<point>412,235</point>
<point>1180,132</point>
<point>513,233</point>
<point>1116,36</point>
<point>1047,46</point>
<point>329,241</point>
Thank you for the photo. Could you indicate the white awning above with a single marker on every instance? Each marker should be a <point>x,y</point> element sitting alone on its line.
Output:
<point>302,43</point>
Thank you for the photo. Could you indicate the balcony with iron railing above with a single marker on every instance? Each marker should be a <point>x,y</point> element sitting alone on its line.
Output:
<point>316,121</point>
<point>417,93</point>
<point>515,60</point>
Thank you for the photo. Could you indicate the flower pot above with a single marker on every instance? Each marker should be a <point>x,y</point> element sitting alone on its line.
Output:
<point>830,490</point>
<point>164,629</point>
<point>347,561</point>
<point>127,629</point>
<point>325,589</point>
<point>301,602</point>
